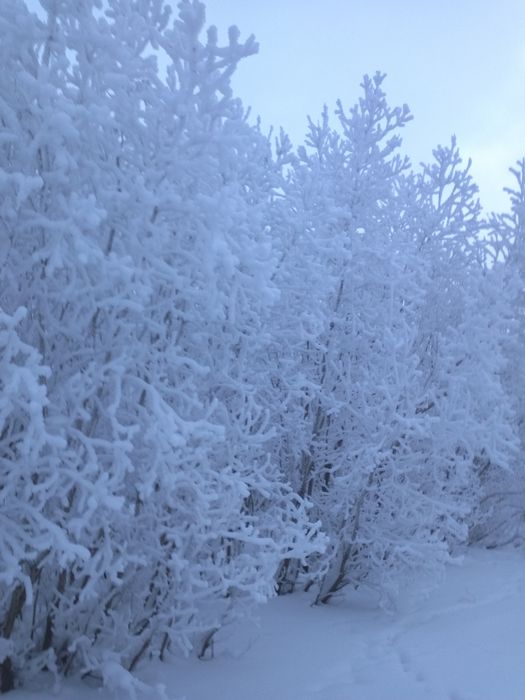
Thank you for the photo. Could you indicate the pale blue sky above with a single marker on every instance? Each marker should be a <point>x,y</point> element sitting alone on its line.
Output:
<point>459,65</point>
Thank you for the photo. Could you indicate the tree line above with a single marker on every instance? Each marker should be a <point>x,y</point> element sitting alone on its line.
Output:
<point>230,367</point>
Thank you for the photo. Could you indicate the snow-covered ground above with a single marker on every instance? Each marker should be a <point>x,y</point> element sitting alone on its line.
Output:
<point>465,641</point>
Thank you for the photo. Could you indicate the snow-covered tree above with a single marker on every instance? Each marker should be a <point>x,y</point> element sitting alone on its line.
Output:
<point>132,234</point>
<point>354,428</point>
<point>391,375</point>
<point>501,515</point>
<point>463,330</point>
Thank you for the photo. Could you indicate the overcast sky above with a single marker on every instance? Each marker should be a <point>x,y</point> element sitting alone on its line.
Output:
<point>458,64</point>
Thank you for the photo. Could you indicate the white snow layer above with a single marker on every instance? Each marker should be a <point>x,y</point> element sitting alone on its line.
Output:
<point>465,641</point>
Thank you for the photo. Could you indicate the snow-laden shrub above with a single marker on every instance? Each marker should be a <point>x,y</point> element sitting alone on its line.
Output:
<point>391,378</point>
<point>501,513</point>
<point>132,210</point>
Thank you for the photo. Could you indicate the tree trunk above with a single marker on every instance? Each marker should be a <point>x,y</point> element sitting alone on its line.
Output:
<point>18,598</point>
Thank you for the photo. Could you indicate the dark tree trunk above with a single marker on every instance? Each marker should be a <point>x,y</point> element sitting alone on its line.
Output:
<point>18,598</point>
